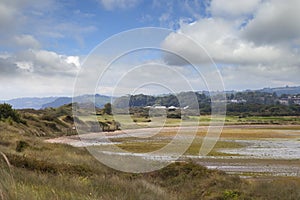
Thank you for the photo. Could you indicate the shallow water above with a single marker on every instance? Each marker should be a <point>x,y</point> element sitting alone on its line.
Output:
<point>267,149</point>
<point>254,150</point>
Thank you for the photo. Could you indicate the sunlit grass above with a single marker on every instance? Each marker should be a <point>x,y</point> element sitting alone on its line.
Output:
<point>131,121</point>
<point>145,146</point>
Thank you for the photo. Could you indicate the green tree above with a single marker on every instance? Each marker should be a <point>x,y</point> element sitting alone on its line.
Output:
<point>107,109</point>
<point>6,112</point>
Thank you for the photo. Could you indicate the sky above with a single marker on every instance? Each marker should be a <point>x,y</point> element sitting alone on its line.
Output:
<point>45,45</point>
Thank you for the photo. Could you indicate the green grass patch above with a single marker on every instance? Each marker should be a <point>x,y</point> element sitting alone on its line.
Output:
<point>145,146</point>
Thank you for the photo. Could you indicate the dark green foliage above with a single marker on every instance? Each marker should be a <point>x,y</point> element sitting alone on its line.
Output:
<point>50,114</point>
<point>21,145</point>
<point>231,195</point>
<point>141,100</point>
<point>181,172</point>
<point>253,97</point>
<point>47,122</point>
<point>192,181</point>
<point>52,126</point>
<point>251,103</point>
<point>174,114</point>
<point>169,100</point>
<point>68,119</point>
<point>139,112</point>
<point>107,109</point>
<point>263,110</point>
<point>7,112</point>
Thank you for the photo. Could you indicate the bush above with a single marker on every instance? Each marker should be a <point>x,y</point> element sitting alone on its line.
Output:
<point>231,195</point>
<point>21,145</point>
<point>69,119</point>
<point>7,112</point>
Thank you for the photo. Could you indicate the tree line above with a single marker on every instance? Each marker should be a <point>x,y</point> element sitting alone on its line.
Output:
<point>241,103</point>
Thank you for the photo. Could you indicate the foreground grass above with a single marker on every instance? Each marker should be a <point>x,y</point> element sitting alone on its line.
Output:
<point>55,171</point>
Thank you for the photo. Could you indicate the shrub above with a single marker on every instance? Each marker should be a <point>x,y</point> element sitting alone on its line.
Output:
<point>6,111</point>
<point>231,195</point>
<point>68,119</point>
<point>21,145</point>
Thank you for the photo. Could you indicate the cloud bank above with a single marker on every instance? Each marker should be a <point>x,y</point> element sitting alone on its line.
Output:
<point>255,43</point>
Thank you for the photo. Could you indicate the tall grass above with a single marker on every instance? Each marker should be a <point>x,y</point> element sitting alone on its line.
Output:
<point>64,177</point>
<point>7,184</point>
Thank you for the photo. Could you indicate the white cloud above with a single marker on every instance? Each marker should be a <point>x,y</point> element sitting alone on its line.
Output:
<point>210,34</point>
<point>26,41</point>
<point>232,8</point>
<point>12,12</point>
<point>51,63</point>
<point>255,44</point>
<point>220,38</point>
<point>264,52</point>
<point>7,67</point>
<point>258,76</point>
<point>275,21</point>
<point>32,85</point>
<point>121,4</point>
<point>37,73</point>
<point>73,60</point>
<point>7,14</point>
<point>39,62</point>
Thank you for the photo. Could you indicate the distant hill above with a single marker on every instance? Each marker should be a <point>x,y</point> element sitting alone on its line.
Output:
<point>57,102</point>
<point>282,90</point>
<point>31,102</point>
<point>100,100</point>
<point>278,90</point>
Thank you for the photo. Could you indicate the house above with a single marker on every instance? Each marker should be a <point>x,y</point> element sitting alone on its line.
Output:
<point>284,101</point>
<point>296,101</point>
<point>237,101</point>
<point>172,108</point>
<point>160,107</point>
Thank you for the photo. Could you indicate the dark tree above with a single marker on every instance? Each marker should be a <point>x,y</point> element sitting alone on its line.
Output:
<point>107,109</point>
<point>6,111</point>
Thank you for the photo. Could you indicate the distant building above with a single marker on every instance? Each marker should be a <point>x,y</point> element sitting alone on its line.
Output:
<point>296,101</point>
<point>186,107</point>
<point>284,101</point>
<point>172,108</point>
<point>160,107</point>
<point>237,101</point>
<point>290,100</point>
